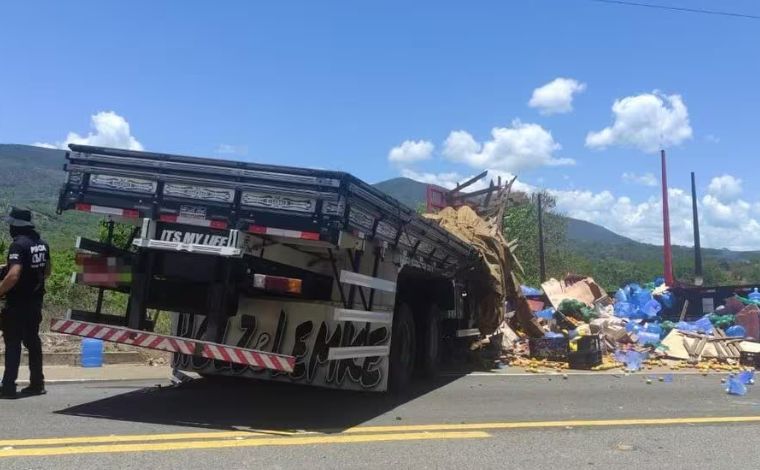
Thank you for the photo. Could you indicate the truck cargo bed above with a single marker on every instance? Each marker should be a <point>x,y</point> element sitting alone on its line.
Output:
<point>264,200</point>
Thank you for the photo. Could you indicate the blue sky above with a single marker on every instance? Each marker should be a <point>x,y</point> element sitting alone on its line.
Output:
<point>339,84</point>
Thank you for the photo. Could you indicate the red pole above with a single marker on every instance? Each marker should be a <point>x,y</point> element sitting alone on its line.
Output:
<point>667,253</point>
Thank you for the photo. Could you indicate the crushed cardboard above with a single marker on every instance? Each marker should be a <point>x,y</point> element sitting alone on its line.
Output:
<point>584,290</point>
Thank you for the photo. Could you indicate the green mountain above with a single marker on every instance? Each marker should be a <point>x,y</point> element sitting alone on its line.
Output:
<point>408,191</point>
<point>31,177</point>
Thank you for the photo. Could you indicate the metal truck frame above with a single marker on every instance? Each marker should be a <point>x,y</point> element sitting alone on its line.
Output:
<point>269,272</point>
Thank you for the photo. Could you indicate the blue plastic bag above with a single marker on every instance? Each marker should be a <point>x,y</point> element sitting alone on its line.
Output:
<point>641,298</point>
<point>546,314</point>
<point>736,387</point>
<point>654,328</point>
<point>704,324</point>
<point>551,334</point>
<point>620,355</point>
<point>633,361</point>
<point>658,281</point>
<point>736,330</point>
<point>644,338</point>
<point>651,309</point>
<point>747,377</point>
<point>531,291</point>
<point>667,300</point>
<point>620,296</point>
<point>686,326</point>
<point>623,309</point>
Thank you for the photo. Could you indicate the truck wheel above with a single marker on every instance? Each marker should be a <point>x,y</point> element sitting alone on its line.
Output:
<point>430,342</point>
<point>403,344</point>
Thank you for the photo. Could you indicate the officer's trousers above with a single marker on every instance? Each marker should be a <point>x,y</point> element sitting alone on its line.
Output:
<point>21,324</point>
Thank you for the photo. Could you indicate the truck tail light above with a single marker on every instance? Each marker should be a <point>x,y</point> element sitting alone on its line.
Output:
<point>285,285</point>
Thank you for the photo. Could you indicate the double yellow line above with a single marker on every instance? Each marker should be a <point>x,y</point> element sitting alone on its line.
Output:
<point>206,440</point>
<point>360,434</point>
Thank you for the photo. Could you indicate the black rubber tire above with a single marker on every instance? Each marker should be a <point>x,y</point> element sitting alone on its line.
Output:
<point>403,347</point>
<point>430,344</point>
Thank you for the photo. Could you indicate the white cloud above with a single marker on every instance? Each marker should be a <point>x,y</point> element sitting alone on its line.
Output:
<point>646,179</point>
<point>725,214</point>
<point>556,97</point>
<point>411,151</point>
<point>512,149</point>
<point>722,225</point>
<point>44,145</point>
<point>649,122</point>
<point>725,188</point>
<point>228,149</point>
<point>446,180</point>
<point>108,130</point>
<point>713,139</point>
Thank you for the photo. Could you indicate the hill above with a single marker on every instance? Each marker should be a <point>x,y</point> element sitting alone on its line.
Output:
<point>408,191</point>
<point>582,231</point>
<point>31,177</point>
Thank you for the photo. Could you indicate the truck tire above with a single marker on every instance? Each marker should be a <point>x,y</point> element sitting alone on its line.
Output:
<point>402,355</point>
<point>430,344</point>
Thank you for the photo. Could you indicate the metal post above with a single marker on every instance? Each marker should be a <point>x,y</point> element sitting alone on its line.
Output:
<point>109,241</point>
<point>698,279</point>
<point>667,253</point>
<point>541,261</point>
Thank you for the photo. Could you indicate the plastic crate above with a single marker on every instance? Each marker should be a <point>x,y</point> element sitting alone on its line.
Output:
<point>584,360</point>
<point>554,349</point>
<point>589,344</point>
<point>750,359</point>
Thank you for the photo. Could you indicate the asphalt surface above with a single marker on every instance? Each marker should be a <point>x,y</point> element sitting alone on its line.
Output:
<point>476,421</point>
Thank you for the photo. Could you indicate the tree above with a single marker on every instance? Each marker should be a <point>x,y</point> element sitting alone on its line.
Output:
<point>122,233</point>
<point>521,224</point>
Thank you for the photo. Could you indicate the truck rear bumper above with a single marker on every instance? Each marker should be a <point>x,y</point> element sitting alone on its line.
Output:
<point>174,344</point>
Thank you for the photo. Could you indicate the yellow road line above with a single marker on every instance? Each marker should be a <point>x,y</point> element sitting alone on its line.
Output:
<point>217,436</point>
<point>555,424</point>
<point>226,444</point>
<point>136,438</point>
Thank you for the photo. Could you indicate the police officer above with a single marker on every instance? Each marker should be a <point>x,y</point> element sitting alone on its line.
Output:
<point>23,286</point>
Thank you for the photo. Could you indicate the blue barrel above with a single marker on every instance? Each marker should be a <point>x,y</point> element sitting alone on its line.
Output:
<point>92,352</point>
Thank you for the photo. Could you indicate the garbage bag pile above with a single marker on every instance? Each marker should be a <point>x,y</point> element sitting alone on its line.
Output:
<point>637,328</point>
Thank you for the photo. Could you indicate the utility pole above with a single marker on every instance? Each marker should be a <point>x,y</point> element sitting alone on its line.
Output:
<point>698,279</point>
<point>541,261</point>
<point>667,253</point>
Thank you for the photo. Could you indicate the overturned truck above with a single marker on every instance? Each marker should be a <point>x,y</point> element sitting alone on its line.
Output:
<point>278,273</point>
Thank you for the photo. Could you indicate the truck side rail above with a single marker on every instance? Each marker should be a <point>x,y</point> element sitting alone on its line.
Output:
<point>251,198</point>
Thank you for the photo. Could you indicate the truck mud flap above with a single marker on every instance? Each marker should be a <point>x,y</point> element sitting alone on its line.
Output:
<point>209,350</point>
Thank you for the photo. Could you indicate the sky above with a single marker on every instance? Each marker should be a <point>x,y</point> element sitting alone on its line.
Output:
<point>572,96</point>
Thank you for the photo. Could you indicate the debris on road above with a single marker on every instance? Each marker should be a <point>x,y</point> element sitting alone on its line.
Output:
<point>635,330</point>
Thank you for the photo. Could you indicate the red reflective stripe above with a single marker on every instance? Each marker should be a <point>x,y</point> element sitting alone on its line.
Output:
<point>215,224</point>
<point>257,229</point>
<point>167,343</point>
<point>130,213</point>
<point>225,355</point>
<point>218,224</point>
<point>310,235</point>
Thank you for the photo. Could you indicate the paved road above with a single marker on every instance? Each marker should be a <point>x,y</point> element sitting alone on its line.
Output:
<point>477,421</point>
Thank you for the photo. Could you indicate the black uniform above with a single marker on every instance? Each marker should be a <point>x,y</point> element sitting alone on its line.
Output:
<point>23,308</point>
